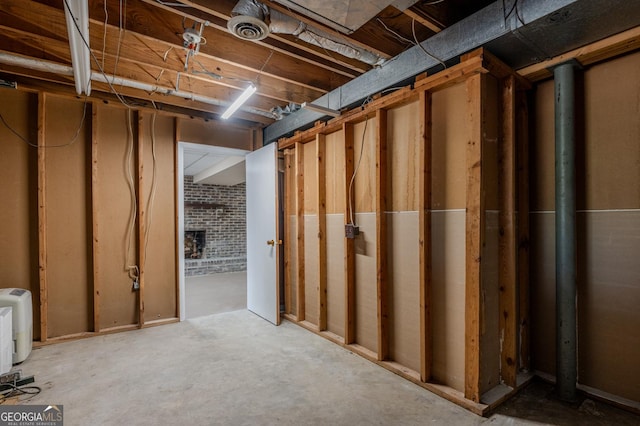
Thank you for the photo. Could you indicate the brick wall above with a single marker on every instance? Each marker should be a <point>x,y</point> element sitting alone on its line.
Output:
<point>226,247</point>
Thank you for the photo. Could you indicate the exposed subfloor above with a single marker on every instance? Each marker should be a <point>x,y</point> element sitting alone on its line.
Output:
<point>215,293</point>
<point>237,369</point>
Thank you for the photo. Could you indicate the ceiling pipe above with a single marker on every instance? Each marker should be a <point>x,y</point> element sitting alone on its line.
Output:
<point>54,68</point>
<point>252,20</point>
<point>566,245</point>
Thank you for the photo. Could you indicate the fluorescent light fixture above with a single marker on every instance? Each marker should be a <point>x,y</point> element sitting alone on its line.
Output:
<point>238,102</point>
<point>77,17</point>
<point>323,110</point>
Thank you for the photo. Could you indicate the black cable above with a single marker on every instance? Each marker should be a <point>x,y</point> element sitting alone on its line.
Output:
<point>75,137</point>
<point>95,60</point>
<point>32,391</point>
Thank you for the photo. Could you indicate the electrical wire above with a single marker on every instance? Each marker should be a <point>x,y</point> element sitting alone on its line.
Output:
<point>71,142</point>
<point>104,34</point>
<point>355,172</point>
<point>32,391</point>
<point>397,36</point>
<point>152,193</point>
<point>431,3</point>
<point>93,56</point>
<point>132,270</point>
<point>413,31</point>
<point>120,33</point>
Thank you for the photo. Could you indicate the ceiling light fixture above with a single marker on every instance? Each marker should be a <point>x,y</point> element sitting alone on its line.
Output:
<point>238,102</point>
<point>321,109</point>
<point>77,17</point>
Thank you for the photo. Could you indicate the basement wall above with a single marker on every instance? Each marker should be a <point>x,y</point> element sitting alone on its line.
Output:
<point>419,295</point>
<point>608,220</point>
<point>70,223</point>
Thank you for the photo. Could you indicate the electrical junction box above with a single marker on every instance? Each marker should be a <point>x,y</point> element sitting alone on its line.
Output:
<point>19,300</point>
<point>351,230</point>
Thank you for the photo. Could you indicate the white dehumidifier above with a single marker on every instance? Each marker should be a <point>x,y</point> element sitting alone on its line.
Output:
<point>22,318</point>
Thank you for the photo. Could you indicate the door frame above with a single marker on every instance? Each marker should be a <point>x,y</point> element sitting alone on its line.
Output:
<point>180,147</point>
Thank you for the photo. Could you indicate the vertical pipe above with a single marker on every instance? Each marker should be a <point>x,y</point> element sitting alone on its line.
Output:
<point>566,369</point>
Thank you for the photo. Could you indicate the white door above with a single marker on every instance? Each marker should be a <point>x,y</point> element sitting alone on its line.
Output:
<point>262,238</point>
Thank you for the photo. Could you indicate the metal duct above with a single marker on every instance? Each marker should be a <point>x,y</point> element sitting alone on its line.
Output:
<point>248,20</point>
<point>555,25</point>
<point>249,23</point>
<point>54,68</point>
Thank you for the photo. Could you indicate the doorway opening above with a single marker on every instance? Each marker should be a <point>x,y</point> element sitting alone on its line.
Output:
<point>212,216</point>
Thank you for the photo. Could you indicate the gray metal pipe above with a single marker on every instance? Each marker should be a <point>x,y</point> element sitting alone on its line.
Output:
<point>566,257</point>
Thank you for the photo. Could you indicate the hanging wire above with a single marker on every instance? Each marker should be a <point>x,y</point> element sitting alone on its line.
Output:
<point>71,142</point>
<point>93,56</point>
<point>397,36</point>
<point>355,172</point>
<point>413,31</point>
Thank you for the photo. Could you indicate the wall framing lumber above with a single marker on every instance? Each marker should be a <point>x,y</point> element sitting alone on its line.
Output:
<point>382,275</point>
<point>624,42</point>
<point>288,296</point>
<point>95,206</point>
<point>508,273</point>
<point>322,231</point>
<point>458,176</point>
<point>425,182</point>
<point>349,243</point>
<point>300,293</point>
<point>524,321</point>
<point>474,317</point>
<point>176,201</point>
<point>42,218</point>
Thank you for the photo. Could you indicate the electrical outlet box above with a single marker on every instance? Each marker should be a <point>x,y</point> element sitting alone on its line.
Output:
<point>351,230</point>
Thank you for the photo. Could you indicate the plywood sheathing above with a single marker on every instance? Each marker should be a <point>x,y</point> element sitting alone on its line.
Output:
<point>404,297</point>
<point>117,301</point>
<point>68,219</point>
<point>19,208</point>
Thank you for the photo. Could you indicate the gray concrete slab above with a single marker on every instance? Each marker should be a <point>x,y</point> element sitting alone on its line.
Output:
<point>215,294</point>
<point>237,369</point>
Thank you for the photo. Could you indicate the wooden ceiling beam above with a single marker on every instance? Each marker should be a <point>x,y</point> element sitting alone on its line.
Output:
<point>425,20</point>
<point>146,49</point>
<point>291,46</point>
<point>154,22</point>
<point>131,69</point>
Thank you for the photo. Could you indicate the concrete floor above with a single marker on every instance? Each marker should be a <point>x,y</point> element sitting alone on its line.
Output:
<point>215,294</point>
<point>237,369</point>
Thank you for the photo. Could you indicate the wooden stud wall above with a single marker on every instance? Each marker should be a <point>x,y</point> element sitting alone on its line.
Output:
<point>423,200</point>
<point>67,208</point>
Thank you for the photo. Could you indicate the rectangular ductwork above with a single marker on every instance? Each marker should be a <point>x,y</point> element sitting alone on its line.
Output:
<point>345,16</point>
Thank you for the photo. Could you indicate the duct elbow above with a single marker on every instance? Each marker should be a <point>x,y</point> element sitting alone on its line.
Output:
<point>249,22</point>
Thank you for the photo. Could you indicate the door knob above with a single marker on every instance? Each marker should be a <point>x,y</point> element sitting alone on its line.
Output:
<point>273,242</point>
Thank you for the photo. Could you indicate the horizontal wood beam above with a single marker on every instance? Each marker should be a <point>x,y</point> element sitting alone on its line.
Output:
<point>621,43</point>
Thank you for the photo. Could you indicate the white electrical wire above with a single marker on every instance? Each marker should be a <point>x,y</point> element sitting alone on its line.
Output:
<point>152,193</point>
<point>355,172</point>
<point>413,31</point>
<point>133,270</point>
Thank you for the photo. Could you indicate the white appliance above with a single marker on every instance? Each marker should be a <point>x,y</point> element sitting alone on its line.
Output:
<point>6,340</point>
<point>22,318</point>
